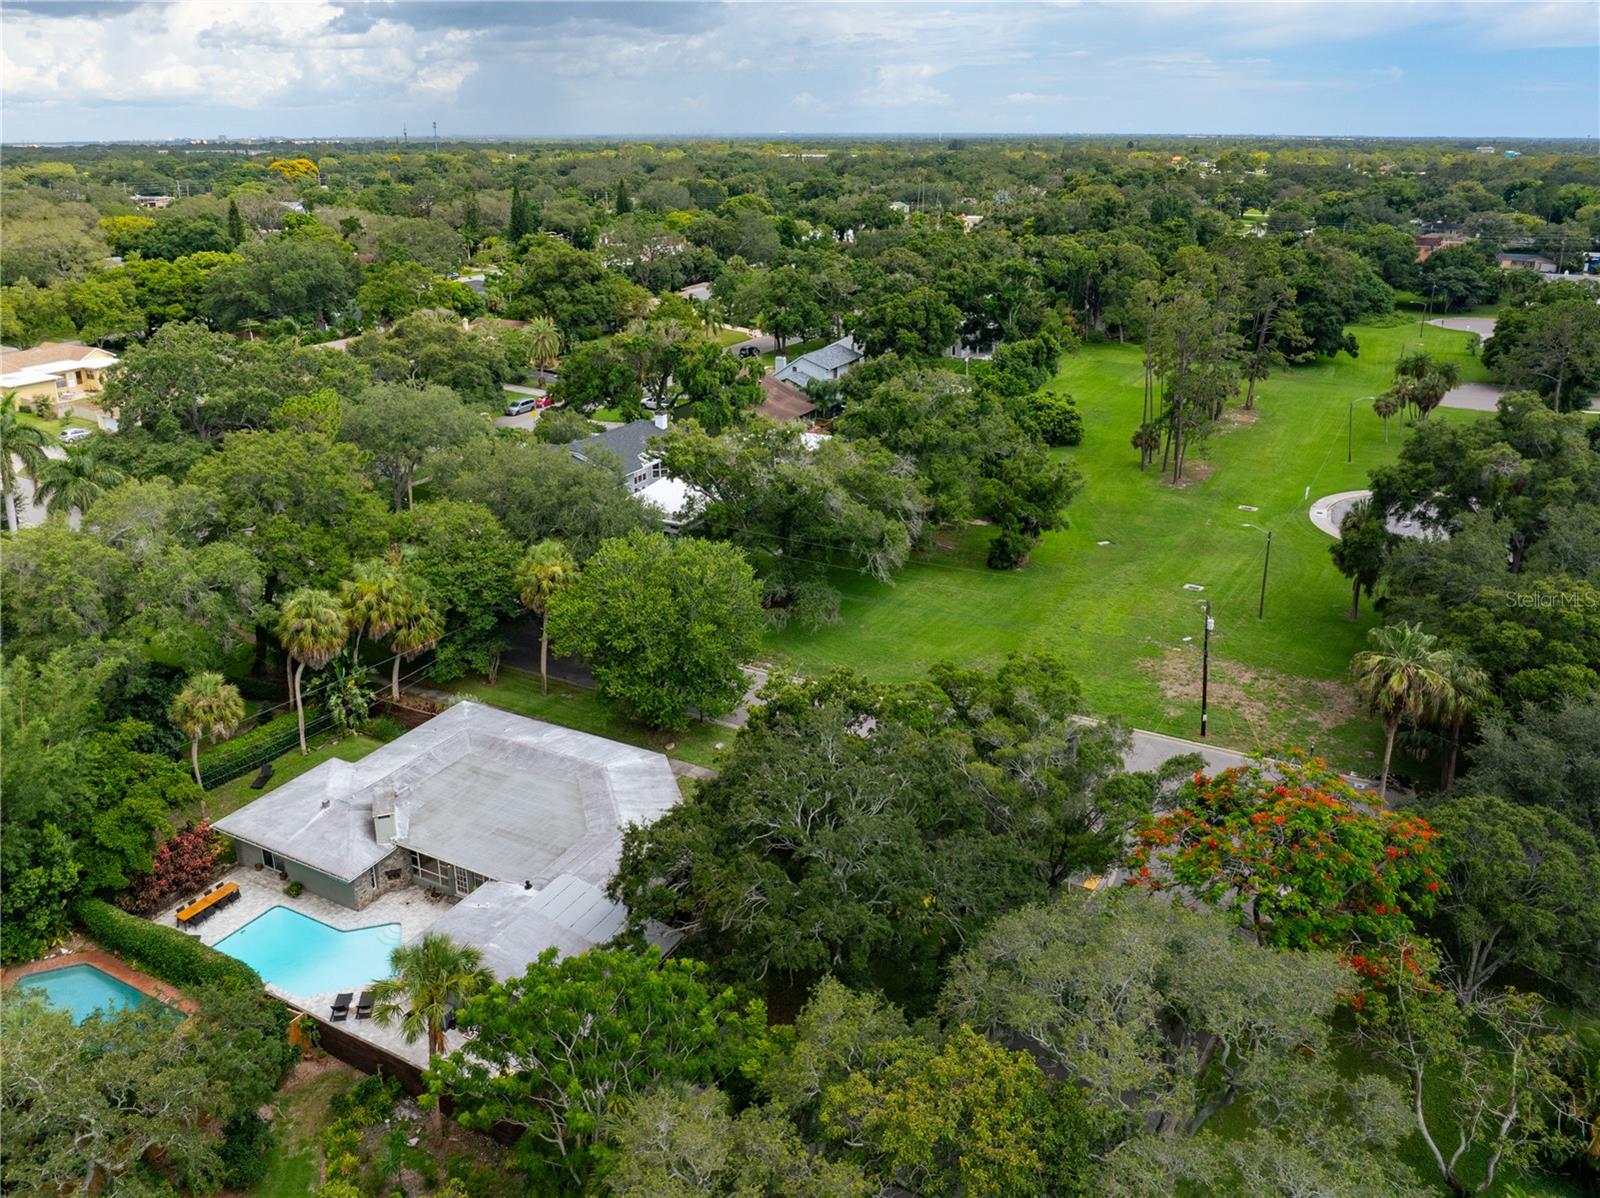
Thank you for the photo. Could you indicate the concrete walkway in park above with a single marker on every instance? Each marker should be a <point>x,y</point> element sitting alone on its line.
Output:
<point>1328,513</point>
<point>1481,325</point>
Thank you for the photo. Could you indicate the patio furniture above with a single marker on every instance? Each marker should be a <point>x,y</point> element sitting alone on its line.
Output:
<point>364,1005</point>
<point>262,778</point>
<point>341,1008</point>
<point>204,905</point>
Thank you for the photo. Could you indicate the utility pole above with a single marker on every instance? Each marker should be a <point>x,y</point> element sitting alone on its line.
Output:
<point>1262,611</point>
<point>436,135</point>
<point>1205,669</point>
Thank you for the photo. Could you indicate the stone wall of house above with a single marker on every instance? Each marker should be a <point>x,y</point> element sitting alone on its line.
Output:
<point>394,873</point>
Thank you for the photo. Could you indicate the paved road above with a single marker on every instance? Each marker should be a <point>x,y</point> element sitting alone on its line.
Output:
<point>1474,397</point>
<point>525,421</point>
<point>28,514</point>
<point>764,342</point>
<point>1328,514</point>
<point>1481,325</point>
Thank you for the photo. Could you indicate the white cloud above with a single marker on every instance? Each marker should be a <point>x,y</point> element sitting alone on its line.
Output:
<point>1030,98</point>
<point>204,52</point>
<point>903,85</point>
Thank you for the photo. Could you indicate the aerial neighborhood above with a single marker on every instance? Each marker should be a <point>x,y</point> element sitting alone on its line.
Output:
<point>798,647</point>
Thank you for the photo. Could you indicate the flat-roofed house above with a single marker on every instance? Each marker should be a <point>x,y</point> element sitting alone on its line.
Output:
<point>1537,262</point>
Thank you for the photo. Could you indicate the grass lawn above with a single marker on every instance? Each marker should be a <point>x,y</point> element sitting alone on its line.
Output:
<point>574,707</point>
<point>727,337</point>
<point>54,427</point>
<point>230,796</point>
<point>794,349</point>
<point>1118,614</point>
<point>294,1168</point>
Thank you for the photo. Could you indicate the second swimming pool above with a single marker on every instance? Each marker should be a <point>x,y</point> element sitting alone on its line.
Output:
<point>305,956</point>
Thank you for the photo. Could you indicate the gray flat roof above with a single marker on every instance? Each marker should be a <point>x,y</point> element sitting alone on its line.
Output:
<point>513,925</point>
<point>507,797</point>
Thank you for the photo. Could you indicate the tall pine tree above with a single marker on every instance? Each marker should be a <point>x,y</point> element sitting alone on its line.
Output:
<point>235,223</point>
<point>521,223</point>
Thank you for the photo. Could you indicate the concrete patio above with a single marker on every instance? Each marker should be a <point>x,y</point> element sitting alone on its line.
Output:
<point>414,908</point>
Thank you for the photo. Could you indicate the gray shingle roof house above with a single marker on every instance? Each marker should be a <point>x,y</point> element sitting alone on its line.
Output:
<point>630,444</point>
<point>474,796</point>
<point>820,365</point>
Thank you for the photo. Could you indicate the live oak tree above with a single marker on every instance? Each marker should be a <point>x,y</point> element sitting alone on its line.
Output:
<point>664,624</point>
<point>1551,346</point>
<point>426,348</point>
<point>1542,757</point>
<point>797,509</point>
<point>539,492</point>
<point>1501,1057</point>
<point>562,1050</point>
<point>400,425</point>
<point>1519,894</point>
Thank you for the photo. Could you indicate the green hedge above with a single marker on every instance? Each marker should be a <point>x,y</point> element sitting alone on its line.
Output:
<point>161,951</point>
<point>261,744</point>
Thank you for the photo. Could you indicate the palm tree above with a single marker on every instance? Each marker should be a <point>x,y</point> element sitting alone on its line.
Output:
<point>431,978</point>
<point>20,445</point>
<point>312,630</point>
<point>76,480</point>
<point>1401,677</point>
<point>1467,692</point>
<point>374,598</point>
<point>1387,405</point>
<point>208,705</point>
<point>546,570</point>
<point>544,342</point>
<point>418,629</point>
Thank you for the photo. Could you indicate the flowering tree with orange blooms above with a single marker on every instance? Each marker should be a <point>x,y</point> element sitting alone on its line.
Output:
<point>1289,846</point>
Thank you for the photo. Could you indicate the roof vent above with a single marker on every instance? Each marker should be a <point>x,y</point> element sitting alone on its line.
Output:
<point>326,802</point>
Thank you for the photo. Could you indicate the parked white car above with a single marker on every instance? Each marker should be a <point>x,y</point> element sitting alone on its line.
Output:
<point>70,435</point>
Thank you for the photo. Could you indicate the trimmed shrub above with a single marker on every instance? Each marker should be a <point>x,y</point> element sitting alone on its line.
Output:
<point>385,729</point>
<point>1055,418</point>
<point>246,1139</point>
<point>163,952</point>
<point>253,749</point>
<point>294,889</point>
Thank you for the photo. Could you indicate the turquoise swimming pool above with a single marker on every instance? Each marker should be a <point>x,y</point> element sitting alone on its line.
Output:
<point>84,990</point>
<point>305,956</point>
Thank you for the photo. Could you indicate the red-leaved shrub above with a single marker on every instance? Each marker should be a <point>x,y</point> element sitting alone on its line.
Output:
<point>183,864</point>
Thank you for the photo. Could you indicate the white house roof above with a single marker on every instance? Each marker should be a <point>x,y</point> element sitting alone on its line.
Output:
<point>673,498</point>
<point>513,925</point>
<point>43,363</point>
<point>496,793</point>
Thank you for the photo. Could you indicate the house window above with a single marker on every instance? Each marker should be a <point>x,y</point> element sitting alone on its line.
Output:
<point>430,869</point>
<point>372,877</point>
<point>463,882</point>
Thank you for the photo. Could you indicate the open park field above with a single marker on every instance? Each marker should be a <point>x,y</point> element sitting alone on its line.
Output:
<point>1119,613</point>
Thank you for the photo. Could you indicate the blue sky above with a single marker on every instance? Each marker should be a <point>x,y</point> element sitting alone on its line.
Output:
<point>88,70</point>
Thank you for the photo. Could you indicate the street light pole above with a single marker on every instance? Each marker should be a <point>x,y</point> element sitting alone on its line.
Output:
<point>1267,561</point>
<point>1350,434</point>
<point>1205,669</point>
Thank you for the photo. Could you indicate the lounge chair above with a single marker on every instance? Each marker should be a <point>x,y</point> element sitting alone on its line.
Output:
<point>341,1008</point>
<point>364,1005</point>
<point>262,778</point>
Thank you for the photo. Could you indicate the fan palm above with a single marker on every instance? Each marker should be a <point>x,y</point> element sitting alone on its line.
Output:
<point>1388,405</point>
<point>431,978</point>
<point>22,449</point>
<point>1467,691</point>
<point>312,630</point>
<point>374,598</point>
<point>418,629</point>
<point>76,480</point>
<point>546,570</point>
<point>208,705</point>
<point>1402,677</point>
<point>544,342</point>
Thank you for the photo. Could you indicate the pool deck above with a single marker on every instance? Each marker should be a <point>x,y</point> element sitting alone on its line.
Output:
<point>107,964</point>
<point>414,908</point>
